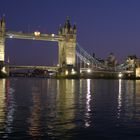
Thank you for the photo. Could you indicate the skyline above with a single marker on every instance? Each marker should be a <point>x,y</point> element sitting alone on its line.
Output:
<point>102,27</point>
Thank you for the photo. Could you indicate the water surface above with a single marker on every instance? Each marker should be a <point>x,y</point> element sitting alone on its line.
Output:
<point>32,108</point>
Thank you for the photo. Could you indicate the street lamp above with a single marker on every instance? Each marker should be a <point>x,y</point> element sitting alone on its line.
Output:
<point>89,70</point>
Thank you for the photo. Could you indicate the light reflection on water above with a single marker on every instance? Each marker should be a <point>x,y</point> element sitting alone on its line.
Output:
<point>2,104</point>
<point>68,109</point>
<point>119,98</point>
<point>54,103</point>
<point>88,99</point>
<point>7,107</point>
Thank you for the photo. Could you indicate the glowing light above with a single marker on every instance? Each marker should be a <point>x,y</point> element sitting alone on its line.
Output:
<point>73,71</point>
<point>58,65</point>
<point>137,72</point>
<point>88,107</point>
<point>120,75</point>
<point>53,35</point>
<point>37,33</point>
<point>88,64</point>
<point>2,101</point>
<point>88,95</point>
<point>89,70</point>
<point>69,60</point>
<point>3,70</point>
<point>11,36</point>
<point>119,98</point>
<point>66,72</point>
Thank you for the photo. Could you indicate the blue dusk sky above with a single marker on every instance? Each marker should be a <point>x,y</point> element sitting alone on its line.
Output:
<point>103,26</point>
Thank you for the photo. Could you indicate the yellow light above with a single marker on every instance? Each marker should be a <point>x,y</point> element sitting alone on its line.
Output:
<point>137,72</point>
<point>3,70</point>
<point>73,71</point>
<point>37,33</point>
<point>120,75</point>
<point>52,35</point>
<point>66,72</point>
<point>89,70</point>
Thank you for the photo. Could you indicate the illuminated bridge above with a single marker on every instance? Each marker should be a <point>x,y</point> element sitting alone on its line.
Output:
<point>31,36</point>
<point>49,68</point>
<point>70,53</point>
<point>89,62</point>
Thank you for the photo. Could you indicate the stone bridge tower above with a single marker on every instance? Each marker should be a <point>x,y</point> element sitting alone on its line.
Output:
<point>2,41</point>
<point>67,48</point>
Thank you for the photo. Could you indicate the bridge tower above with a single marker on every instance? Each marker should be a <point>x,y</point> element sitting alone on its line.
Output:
<point>3,69</point>
<point>2,41</point>
<point>67,48</point>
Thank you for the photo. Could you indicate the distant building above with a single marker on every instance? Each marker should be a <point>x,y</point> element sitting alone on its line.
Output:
<point>134,63</point>
<point>111,60</point>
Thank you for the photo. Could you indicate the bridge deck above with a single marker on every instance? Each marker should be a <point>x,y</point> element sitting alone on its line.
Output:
<point>31,36</point>
<point>50,68</point>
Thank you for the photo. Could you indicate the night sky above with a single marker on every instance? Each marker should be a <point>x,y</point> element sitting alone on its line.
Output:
<point>103,26</point>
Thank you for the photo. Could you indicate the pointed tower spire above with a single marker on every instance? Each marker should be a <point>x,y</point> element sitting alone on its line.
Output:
<point>60,30</point>
<point>3,20</point>
<point>3,26</point>
<point>74,28</point>
<point>67,24</point>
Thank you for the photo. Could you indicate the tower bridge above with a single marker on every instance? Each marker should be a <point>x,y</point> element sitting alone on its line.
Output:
<point>70,53</point>
<point>66,39</point>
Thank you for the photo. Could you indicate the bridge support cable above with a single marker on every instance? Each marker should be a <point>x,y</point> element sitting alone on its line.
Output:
<point>88,59</point>
<point>96,64</point>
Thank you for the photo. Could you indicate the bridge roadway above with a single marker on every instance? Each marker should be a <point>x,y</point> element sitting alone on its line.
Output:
<point>105,71</point>
<point>32,36</point>
<point>49,68</point>
<point>55,69</point>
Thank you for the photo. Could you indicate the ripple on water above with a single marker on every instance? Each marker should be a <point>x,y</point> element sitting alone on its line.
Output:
<point>69,109</point>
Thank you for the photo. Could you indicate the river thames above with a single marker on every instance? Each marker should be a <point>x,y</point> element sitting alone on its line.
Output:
<point>39,108</point>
